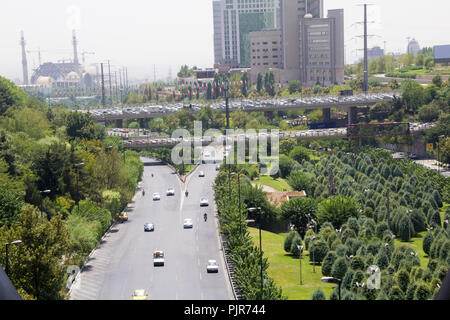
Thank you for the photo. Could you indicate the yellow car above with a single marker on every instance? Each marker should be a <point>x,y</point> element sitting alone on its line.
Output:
<point>122,217</point>
<point>140,295</point>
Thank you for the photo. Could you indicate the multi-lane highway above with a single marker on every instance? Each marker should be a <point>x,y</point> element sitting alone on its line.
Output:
<point>123,262</point>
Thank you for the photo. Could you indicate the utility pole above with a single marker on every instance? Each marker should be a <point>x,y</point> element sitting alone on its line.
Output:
<point>120,88</point>
<point>110,83</point>
<point>103,87</point>
<point>116,88</point>
<point>366,64</point>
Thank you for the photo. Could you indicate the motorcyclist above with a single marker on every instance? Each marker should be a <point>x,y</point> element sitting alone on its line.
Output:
<point>205,216</point>
<point>186,193</point>
<point>143,192</point>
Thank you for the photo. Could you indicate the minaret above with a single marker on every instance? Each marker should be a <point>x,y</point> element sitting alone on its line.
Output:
<point>24,60</point>
<point>75,49</point>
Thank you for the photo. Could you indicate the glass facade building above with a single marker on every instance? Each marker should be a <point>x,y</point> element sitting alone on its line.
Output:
<point>233,22</point>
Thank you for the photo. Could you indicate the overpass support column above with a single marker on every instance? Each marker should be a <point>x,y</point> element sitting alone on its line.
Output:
<point>326,114</point>
<point>352,115</point>
<point>119,123</point>
<point>268,115</point>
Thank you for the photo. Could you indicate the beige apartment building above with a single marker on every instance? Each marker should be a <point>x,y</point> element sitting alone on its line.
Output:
<point>266,52</point>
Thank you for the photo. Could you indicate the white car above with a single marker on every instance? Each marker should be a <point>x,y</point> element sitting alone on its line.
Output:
<point>158,259</point>
<point>201,174</point>
<point>204,202</point>
<point>170,192</point>
<point>212,267</point>
<point>149,227</point>
<point>156,197</point>
<point>188,224</point>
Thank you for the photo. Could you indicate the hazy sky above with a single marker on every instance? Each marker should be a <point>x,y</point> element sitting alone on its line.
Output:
<point>167,33</point>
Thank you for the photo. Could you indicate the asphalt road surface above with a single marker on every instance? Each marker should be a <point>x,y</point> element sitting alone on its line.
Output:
<point>123,262</point>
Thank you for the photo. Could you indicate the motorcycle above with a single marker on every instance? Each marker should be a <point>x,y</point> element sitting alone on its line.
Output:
<point>143,193</point>
<point>205,216</point>
<point>186,193</point>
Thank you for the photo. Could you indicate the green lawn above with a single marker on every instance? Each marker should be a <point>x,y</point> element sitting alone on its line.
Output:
<point>285,270</point>
<point>417,245</point>
<point>278,184</point>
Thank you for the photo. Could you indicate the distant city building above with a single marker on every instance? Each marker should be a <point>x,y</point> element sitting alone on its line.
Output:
<point>322,52</point>
<point>413,47</point>
<point>64,74</point>
<point>375,53</point>
<point>233,22</point>
<point>292,11</point>
<point>266,51</point>
<point>441,54</point>
<point>290,37</point>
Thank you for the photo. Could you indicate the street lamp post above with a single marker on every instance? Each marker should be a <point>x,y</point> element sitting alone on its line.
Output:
<point>43,192</point>
<point>14,243</point>
<point>226,88</point>
<point>77,166</point>
<point>260,248</point>
<point>313,222</point>
<point>300,249</point>
<point>239,198</point>
<point>334,280</point>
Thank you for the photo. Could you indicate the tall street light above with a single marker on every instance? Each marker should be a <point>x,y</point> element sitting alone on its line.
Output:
<point>226,88</point>
<point>334,280</point>
<point>44,192</point>
<point>240,205</point>
<point>77,167</point>
<point>260,248</point>
<point>14,243</point>
<point>312,223</point>
<point>300,249</point>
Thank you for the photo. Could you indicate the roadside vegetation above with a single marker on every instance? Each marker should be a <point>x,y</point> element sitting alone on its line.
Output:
<point>62,183</point>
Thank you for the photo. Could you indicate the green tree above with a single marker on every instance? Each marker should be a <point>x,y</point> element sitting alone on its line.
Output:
<point>287,145</point>
<point>37,269</point>
<point>318,251</point>
<point>297,211</point>
<point>299,154</point>
<point>11,203</point>
<point>328,262</point>
<point>318,295</point>
<point>337,210</point>
<point>300,181</point>
<point>288,241</point>
<point>10,95</point>
<point>422,291</point>
<point>340,268</point>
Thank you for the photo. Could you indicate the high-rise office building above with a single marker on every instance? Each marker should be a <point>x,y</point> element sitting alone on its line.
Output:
<point>322,54</point>
<point>292,11</point>
<point>233,22</point>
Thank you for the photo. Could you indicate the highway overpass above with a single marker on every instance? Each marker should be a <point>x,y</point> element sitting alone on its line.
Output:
<point>142,143</point>
<point>347,103</point>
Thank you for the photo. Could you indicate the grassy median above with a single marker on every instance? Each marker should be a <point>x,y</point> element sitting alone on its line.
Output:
<point>285,269</point>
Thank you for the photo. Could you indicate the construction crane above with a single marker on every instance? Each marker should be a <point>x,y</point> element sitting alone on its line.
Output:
<point>39,52</point>
<point>84,53</point>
